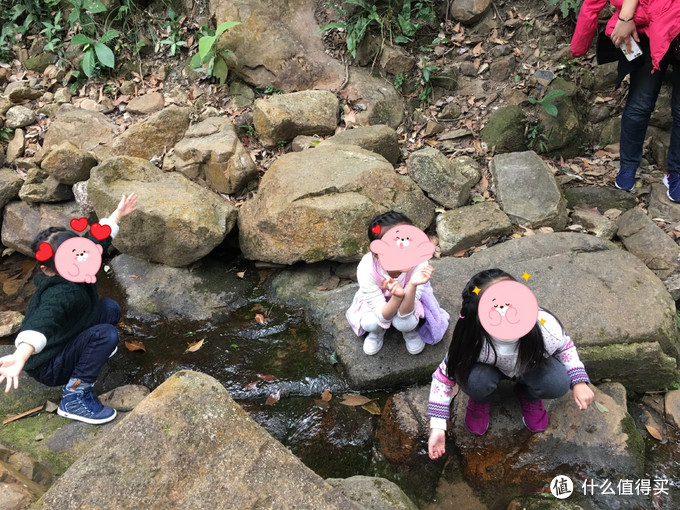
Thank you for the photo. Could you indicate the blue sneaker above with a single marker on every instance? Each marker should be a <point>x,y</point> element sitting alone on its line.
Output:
<point>625,179</point>
<point>672,182</point>
<point>82,405</point>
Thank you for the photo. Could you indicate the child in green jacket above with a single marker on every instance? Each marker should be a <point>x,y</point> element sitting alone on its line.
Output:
<point>68,332</point>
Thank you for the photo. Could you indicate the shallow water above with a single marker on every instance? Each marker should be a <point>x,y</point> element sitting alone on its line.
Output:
<point>276,371</point>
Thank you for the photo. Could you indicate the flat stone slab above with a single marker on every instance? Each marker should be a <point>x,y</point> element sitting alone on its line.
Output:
<point>619,314</point>
<point>527,191</point>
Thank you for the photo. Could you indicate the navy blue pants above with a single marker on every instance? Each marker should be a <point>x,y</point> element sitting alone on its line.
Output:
<point>642,94</point>
<point>84,356</point>
<point>549,380</point>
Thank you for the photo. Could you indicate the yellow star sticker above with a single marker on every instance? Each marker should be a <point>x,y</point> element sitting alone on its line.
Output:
<point>476,290</point>
<point>526,276</point>
<point>542,322</point>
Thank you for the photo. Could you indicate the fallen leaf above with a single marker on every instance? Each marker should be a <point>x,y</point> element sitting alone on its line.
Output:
<point>354,399</point>
<point>372,408</point>
<point>134,345</point>
<point>326,395</point>
<point>250,386</point>
<point>241,274</point>
<point>11,287</point>
<point>273,398</point>
<point>134,276</point>
<point>261,318</point>
<point>22,415</point>
<point>654,432</point>
<point>601,407</point>
<point>266,377</point>
<point>194,346</point>
<point>460,253</point>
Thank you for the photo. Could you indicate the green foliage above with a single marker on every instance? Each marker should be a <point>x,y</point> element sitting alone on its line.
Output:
<point>95,52</point>
<point>399,81</point>
<point>19,19</point>
<point>546,101</point>
<point>53,33</point>
<point>536,139</point>
<point>401,27</point>
<point>268,90</point>
<point>82,14</point>
<point>568,6</point>
<point>173,29</point>
<point>210,60</point>
<point>5,133</point>
<point>427,93</point>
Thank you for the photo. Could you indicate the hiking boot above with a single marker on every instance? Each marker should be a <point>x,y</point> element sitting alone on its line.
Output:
<point>534,415</point>
<point>414,342</point>
<point>374,342</point>
<point>625,179</point>
<point>477,417</point>
<point>82,405</point>
<point>672,182</point>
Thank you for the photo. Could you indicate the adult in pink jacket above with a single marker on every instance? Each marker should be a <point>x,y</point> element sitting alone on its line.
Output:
<point>655,25</point>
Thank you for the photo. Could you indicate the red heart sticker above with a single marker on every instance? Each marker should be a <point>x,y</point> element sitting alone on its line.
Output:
<point>100,232</point>
<point>44,252</point>
<point>79,224</point>
<point>376,229</point>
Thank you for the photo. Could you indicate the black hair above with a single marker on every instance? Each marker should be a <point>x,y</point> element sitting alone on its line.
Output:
<point>386,221</point>
<point>54,236</point>
<point>469,335</point>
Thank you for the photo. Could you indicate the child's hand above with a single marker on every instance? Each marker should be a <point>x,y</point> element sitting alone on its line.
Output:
<point>422,276</point>
<point>583,395</point>
<point>436,445</point>
<point>127,205</point>
<point>393,286</point>
<point>10,368</point>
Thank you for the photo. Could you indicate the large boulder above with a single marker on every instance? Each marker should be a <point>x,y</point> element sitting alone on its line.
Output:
<point>156,291</point>
<point>644,239</point>
<point>10,184</point>
<point>527,191</point>
<point>21,222</point>
<point>282,117</point>
<point>154,136</point>
<point>68,164</point>
<point>379,101</point>
<point>316,204</point>
<point>211,150</point>
<point>464,227</point>
<point>277,44</point>
<point>600,442</point>
<point>504,131</point>
<point>189,445</point>
<point>624,328</point>
<point>40,186</point>
<point>177,221</point>
<point>85,129</point>
<point>379,138</point>
<point>447,182</point>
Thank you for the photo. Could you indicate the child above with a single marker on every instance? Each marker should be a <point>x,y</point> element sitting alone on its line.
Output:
<point>543,362</point>
<point>399,298</point>
<point>68,332</point>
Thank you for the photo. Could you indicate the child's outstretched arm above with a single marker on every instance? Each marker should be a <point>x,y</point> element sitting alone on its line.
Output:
<point>12,365</point>
<point>442,392</point>
<point>127,205</point>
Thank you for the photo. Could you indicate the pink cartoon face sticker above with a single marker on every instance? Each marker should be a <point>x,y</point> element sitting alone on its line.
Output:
<point>402,247</point>
<point>78,259</point>
<point>508,310</point>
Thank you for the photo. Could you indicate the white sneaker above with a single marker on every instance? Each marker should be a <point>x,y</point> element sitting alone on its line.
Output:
<point>414,344</point>
<point>373,343</point>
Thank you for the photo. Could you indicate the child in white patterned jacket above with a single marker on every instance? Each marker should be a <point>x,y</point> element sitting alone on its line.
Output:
<point>544,362</point>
